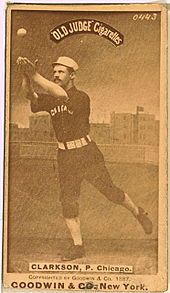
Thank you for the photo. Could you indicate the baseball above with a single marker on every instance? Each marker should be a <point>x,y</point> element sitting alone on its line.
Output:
<point>21,32</point>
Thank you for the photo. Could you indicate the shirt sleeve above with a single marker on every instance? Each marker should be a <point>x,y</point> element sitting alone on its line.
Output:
<point>80,105</point>
<point>40,104</point>
<point>44,102</point>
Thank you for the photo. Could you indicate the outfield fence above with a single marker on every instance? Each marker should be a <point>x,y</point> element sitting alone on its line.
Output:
<point>122,153</point>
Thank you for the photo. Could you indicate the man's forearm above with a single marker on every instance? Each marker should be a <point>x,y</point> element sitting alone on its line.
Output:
<point>28,90</point>
<point>32,97</point>
<point>49,86</point>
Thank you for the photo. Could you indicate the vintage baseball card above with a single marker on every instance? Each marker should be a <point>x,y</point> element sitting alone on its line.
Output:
<point>85,193</point>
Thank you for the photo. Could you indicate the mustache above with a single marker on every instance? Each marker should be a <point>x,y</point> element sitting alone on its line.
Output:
<point>57,79</point>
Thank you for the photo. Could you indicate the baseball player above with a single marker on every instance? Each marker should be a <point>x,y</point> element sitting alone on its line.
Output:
<point>78,156</point>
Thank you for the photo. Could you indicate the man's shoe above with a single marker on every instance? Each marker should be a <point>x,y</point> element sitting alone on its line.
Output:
<point>75,251</point>
<point>144,221</point>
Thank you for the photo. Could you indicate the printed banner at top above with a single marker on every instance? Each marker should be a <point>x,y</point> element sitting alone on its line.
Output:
<point>90,26</point>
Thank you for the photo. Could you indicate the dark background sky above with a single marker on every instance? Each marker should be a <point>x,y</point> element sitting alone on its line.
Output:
<point>116,79</point>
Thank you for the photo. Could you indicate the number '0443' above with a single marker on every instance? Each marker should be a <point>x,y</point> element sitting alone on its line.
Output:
<point>145,16</point>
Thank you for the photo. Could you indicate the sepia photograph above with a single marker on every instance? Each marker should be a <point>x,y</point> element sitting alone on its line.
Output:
<point>85,197</point>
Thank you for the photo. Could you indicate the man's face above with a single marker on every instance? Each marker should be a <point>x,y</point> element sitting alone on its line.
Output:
<point>61,75</point>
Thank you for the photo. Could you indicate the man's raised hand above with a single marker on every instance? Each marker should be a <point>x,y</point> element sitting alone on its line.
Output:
<point>26,66</point>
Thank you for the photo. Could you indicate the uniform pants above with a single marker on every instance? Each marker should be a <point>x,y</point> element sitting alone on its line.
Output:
<point>84,163</point>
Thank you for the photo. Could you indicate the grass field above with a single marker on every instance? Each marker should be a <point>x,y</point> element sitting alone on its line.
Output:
<point>37,230</point>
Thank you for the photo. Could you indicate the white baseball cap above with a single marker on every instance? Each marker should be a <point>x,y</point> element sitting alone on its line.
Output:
<point>66,61</point>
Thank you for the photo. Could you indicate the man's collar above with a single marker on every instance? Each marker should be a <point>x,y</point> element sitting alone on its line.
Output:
<point>72,89</point>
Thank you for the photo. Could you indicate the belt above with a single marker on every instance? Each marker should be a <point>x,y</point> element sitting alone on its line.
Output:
<point>74,144</point>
